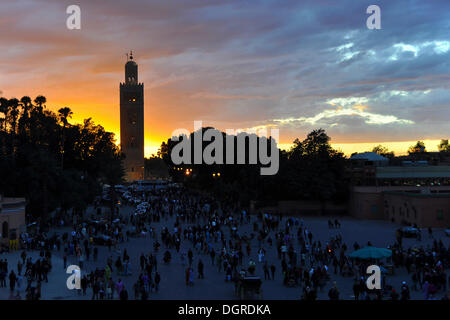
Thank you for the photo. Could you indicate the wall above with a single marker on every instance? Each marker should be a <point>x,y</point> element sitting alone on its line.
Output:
<point>405,204</point>
<point>423,210</point>
<point>12,212</point>
<point>299,208</point>
<point>367,205</point>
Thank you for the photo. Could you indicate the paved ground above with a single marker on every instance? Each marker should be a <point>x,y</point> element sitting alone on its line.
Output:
<point>172,286</point>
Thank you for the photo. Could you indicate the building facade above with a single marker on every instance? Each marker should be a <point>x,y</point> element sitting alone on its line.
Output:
<point>132,122</point>
<point>426,209</point>
<point>405,194</point>
<point>12,219</point>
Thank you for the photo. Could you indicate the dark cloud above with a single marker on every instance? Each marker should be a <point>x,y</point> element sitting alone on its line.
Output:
<point>245,63</point>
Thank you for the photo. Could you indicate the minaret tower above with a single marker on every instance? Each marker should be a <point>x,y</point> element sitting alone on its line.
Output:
<point>132,121</point>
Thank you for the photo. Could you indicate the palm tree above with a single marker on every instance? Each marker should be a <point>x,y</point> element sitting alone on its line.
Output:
<point>40,101</point>
<point>14,113</point>
<point>64,114</point>
<point>25,103</point>
<point>13,116</point>
<point>36,120</point>
<point>4,108</point>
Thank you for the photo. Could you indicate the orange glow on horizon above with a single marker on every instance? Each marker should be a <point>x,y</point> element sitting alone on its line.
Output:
<point>164,110</point>
<point>399,147</point>
<point>157,131</point>
<point>157,134</point>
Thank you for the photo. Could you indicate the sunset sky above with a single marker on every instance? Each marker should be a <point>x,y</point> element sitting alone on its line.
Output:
<point>237,64</point>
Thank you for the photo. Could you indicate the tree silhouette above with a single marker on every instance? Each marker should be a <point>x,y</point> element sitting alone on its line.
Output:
<point>64,115</point>
<point>383,151</point>
<point>444,146</point>
<point>419,147</point>
<point>311,170</point>
<point>51,162</point>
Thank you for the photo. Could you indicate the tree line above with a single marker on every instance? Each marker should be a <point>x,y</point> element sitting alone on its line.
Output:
<point>50,162</point>
<point>310,170</point>
<point>418,148</point>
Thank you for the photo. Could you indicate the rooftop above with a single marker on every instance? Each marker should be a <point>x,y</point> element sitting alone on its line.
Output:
<point>11,203</point>
<point>371,156</point>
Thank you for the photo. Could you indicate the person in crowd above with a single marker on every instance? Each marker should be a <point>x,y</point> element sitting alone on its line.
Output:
<point>186,225</point>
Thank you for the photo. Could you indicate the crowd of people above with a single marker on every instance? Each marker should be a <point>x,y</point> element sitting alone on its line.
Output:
<point>194,229</point>
<point>29,275</point>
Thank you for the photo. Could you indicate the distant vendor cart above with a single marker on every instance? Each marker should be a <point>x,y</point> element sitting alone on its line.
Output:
<point>32,227</point>
<point>103,240</point>
<point>249,287</point>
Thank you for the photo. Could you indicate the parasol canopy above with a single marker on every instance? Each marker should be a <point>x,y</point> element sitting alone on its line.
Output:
<point>371,253</point>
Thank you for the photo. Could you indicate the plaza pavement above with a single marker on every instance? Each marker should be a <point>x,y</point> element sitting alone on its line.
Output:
<point>213,286</point>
